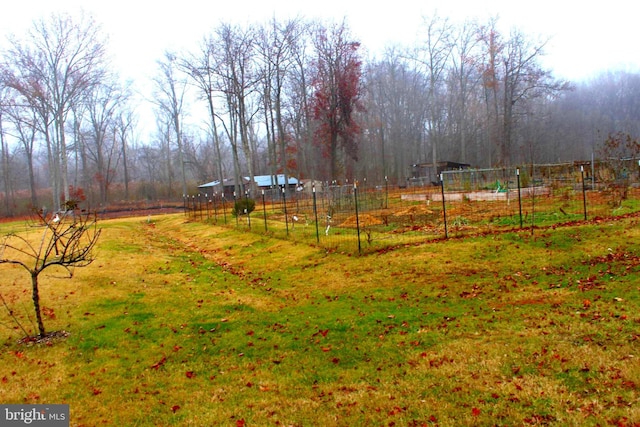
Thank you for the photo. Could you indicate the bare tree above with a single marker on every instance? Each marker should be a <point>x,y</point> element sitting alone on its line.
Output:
<point>201,67</point>
<point>24,123</point>
<point>103,147</point>
<point>489,65</point>
<point>276,49</point>
<point>579,120</point>
<point>513,76</point>
<point>237,83</point>
<point>124,124</point>
<point>66,242</point>
<point>5,169</point>
<point>165,154</point>
<point>396,100</point>
<point>170,100</point>
<point>463,81</point>
<point>299,94</point>
<point>433,55</point>
<point>51,70</point>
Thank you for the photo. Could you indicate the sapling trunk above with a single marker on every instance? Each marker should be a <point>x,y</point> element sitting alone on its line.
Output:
<point>36,303</point>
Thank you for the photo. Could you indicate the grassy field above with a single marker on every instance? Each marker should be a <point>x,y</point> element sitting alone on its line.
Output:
<point>185,323</point>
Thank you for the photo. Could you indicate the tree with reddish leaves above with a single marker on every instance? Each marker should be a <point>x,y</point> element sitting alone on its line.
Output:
<point>337,96</point>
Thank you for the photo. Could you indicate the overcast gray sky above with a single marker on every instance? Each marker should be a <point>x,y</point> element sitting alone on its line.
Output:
<point>585,39</point>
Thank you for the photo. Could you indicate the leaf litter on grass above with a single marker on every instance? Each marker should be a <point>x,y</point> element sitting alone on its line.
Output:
<point>425,334</point>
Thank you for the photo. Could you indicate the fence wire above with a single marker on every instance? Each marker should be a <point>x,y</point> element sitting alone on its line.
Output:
<point>365,218</point>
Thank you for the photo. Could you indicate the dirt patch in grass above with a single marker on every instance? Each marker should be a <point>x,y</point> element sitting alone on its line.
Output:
<point>48,339</point>
<point>363,220</point>
<point>413,211</point>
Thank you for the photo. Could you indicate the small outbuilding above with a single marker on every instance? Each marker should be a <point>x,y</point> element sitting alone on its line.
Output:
<point>226,187</point>
<point>428,173</point>
<point>264,182</point>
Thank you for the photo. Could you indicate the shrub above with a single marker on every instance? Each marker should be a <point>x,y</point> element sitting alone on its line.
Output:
<point>244,206</point>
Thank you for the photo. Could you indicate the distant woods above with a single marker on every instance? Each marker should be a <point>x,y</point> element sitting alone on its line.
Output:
<point>297,97</point>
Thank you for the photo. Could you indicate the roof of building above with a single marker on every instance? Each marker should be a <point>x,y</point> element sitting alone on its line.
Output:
<point>268,180</point>
<point>227,182</point>
<point>260,180</point>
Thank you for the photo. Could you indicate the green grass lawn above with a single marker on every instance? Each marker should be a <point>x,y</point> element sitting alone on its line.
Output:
<point>184,323</point>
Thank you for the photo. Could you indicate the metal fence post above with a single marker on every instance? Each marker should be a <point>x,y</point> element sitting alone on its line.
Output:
<point>584,193</point>
<point>284,204</point>
<point>264,211</point>
<point>444,207</point>
<point>519,196</point>
<point>246,198</point>
<point>215,208</point>
<point>224,210</point>
<point>315,212</point>
<point>386,192</point>
<point>355,198</point>
<point>235,206</point>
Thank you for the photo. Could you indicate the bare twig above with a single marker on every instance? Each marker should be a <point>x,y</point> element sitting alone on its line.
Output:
<point>12,315</point>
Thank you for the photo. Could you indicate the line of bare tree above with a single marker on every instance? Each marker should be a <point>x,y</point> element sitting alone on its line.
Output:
<point>296,97</point>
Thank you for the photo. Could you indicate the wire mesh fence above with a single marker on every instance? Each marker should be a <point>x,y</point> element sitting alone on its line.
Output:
<point>366,218</point>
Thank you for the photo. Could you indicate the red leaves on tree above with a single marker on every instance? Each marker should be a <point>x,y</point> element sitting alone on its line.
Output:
<point>77,193</point>
<point>337,95</point>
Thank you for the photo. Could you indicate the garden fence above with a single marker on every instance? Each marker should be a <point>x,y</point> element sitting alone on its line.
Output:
<point>359,217</point>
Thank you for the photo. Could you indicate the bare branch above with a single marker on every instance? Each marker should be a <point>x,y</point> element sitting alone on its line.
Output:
<point>66,242</point>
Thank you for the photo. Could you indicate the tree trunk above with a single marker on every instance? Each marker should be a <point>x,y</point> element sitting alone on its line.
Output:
<point>125,166</point>
<point>6,175</point>
<point>216,140</point>
<point>178,128</point>
<point>63,158</point>
<point>32,180</point>
<point>36,302</point>
<point>281,136</point>
<point>244,139</point>
<point>333,154</point>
